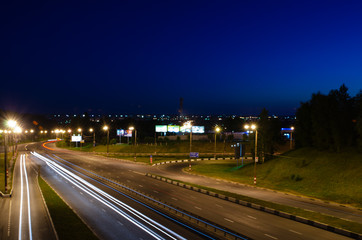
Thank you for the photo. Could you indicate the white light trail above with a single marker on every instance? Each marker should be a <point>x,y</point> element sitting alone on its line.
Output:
<point>24,172</point>
<point>111,202</point>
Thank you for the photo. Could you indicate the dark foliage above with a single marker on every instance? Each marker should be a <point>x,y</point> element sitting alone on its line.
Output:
<point>331,122</point>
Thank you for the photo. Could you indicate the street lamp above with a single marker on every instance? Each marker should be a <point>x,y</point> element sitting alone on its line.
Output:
<point>253,127</point>
<point>291,137</point>
<point>217,130</point>
<point>94,137</point>
<point>106,128</point>
<point>135,141</point>
<point>188,125</point>
<point>11,124</point>
<point>80,131</point>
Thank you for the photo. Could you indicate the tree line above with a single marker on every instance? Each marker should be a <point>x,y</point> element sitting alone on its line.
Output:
<point>330,122</point>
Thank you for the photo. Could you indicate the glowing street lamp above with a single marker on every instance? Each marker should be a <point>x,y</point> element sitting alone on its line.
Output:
<point>135,141</point>
<point>253,127</point>
<point>291,137</point>
<point>217,130</point>
<point>106,128</point>
<point>188,125</point>
<point>94,137</point>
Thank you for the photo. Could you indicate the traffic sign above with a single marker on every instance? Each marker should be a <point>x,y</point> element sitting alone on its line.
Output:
<point>194,154</point>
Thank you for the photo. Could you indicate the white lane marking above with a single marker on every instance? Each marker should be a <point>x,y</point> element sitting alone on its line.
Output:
<point>138,173</point>
<point>290,230</point>
<point>21,197</point>
<point>128,180</point>
<point>81,193</point>
<point>28,195</point>
<point>197,208</point>
<point>229,220</point>
<point>251,217</point>
<point>270,236</point>
<point>9,221</point>
<point>174,199</point>
<point>155,191</point>
<point>140,185</point>
<point>217,205</point>
<point>103,210</point>
<point>120,223</point>
<point>193,197</point>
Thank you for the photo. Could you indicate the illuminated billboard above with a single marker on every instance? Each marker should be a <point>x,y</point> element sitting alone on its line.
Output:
<point>124,133</point>
<point>161,128</point>
<point>76,138</point>
<point>173,128</point>
<point>195,129</point>
<point>198,129</point>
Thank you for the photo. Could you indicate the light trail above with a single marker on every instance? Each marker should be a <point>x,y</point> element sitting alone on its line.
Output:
<point>147,197</point>
<point>25,173</point>
<point>111,202</point>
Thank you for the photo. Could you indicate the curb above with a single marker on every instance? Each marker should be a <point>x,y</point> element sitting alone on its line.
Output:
<point>196,160</point>
<point>262,208</point>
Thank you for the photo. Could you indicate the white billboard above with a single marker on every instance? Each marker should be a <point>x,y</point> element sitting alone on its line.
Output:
<point>198,129</point>
<point>161,128</point>
<point>76,138</point>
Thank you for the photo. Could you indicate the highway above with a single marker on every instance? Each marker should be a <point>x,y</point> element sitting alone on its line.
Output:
<point>252,223</point>
<point>174,171</point>
<point>24,215</point>
<point>109,213</point>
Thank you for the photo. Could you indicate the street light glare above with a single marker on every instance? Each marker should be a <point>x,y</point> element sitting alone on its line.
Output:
<point>12,123</point>
<point>105,128</point>
<point>91,129</point>
<point>217,129</point>
<point>253,126</point>
<point>79,129</point>
<point>131,128</point>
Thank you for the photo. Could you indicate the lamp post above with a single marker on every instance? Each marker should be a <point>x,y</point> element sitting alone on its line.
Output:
<point>94,137</point>
<point>253,127</point>
<point>70,136</point>
<point>106,128</point>
<point>80,131</point>
<point>217,129</point>
<point>135,141</point>
<point>188,125</point>
<point>291,137</point>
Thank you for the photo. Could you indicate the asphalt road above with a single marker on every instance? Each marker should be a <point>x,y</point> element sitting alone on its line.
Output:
<point>118,218</point>
<point>175,171</point>
<point>252,223</point>
<point>24,216</point>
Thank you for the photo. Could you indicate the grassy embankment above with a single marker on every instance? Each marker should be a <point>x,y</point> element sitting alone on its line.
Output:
<point>67,224</point>
<point>170,148</point>
<point>329,176</point>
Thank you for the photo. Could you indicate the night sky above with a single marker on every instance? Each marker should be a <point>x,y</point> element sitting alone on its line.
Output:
<point>139,57</point>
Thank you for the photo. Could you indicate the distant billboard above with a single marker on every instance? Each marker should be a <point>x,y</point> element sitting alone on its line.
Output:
<point>76,138</point>
<point>195,129</point>
<point>124,133</point>
<point>198,129</point>
<point>173,128</point>
<point>184,129</point>
<point>161,128</point>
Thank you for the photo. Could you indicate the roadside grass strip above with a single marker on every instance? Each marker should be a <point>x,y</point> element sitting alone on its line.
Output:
<point>67,223</point>
<point>262,205</point>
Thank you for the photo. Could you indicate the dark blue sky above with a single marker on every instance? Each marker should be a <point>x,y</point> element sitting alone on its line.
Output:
<point>231,57</point>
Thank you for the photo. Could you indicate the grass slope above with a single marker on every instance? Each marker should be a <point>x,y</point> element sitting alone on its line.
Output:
<point>67,224</point>
<point>330,176</point>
